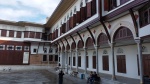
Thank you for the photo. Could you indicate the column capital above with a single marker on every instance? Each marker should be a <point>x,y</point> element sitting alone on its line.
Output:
<point>96,46</point>
<point>84,47</point>
<point>138,40</point>
<point>112,43</point>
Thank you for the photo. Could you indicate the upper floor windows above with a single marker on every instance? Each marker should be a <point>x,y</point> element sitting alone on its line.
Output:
<point>26,48</point>
<point>144,13</point>
<point>10,47</point>
<point>2,47</point>
<point>19,48</point>
<point>111,4</point>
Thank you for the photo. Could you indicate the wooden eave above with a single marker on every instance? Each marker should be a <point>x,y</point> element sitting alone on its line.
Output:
<point>124,9</point>
<point>60,10</point>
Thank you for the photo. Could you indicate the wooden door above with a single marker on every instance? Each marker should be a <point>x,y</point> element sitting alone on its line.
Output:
<point>146,65</point>
<point>105,63</point>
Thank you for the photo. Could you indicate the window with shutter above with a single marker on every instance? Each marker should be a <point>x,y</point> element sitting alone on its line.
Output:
<point>11,33</point>
<point>32,34</point>
<point>88,9</point>
<point>26,33</point>
<point>93,7</point>
<point>106,5</point>
<point>18,34</point>
<point>3,33</point>
<point>79,61</point>
<point>74,20</point>
<point>87,61</point>
<point>78,18</point>
<point>94,62</point>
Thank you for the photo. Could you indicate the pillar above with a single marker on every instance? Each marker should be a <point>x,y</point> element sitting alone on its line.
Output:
<point>113,62</point>
<point>139,44</point>
<point>76,59</point>
<point>85,68</point>
<point>97,68</point>
<point>70,59</point>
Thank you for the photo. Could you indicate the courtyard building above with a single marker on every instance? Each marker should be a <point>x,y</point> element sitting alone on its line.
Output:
<point>107,36</point>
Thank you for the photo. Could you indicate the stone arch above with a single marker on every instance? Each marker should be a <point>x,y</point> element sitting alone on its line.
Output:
<point>80,44</point>
<point>89,42</point>
<point>73,45</point>
<point>122,33</point>
<point>124,24</point>
<point>102,39</point>
<point>67,47</point>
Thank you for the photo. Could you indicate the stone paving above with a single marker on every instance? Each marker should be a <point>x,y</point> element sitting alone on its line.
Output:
<point>42,77</point>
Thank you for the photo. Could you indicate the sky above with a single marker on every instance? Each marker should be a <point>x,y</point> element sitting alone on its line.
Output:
<point>27,10</point>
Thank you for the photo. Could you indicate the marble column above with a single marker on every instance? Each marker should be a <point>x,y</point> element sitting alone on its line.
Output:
<point>85,68</point>
<point>76,60</point>
<point>97,68</point>
<point>139,47</point>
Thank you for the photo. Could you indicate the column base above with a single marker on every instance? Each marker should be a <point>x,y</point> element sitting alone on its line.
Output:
<point>114,78</point>
<point>141,83</point>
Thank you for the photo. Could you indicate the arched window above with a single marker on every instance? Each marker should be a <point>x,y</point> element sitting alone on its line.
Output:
<point>102,39</point>
<point>89,42</point>
<point>123,33</point>
<point>67,47</point>
<point>80,44</point>
<point>73,46</point>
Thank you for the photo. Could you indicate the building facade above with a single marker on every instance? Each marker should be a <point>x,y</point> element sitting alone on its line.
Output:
<point>23,43</point>
<point>106,36</point>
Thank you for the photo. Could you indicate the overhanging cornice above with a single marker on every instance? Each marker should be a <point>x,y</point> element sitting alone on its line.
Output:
<point>62,7</point>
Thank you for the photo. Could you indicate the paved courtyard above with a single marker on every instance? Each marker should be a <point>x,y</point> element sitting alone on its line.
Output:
<point>42,77</point>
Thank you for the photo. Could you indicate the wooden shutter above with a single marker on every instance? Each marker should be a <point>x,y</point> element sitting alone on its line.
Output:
<point>26,34</point>
<point>69,60</point>
<point>32,34</point>
<point>88,9</point>
<point>78,17</point>
<point>74,61</point>
<point>74,20</point>
<point>56,33</point>
<point>71,22</point>
<point>106,5</point>
<point>18,34</point>
<point>93,7</point>
<point>11,33</point>
<point>105,63</point>
<point>121,64</point>
<point>3,33</point>
<point>94,62</point>
<point>87,61</point>
<point>67,26</point>
<point>83,14</point>
<point>38,34</point>
<point>79,61</point>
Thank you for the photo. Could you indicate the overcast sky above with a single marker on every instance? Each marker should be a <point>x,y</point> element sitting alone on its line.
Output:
<point>27,10</point>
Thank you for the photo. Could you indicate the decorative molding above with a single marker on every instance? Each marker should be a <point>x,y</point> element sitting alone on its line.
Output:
<point>119,50</point>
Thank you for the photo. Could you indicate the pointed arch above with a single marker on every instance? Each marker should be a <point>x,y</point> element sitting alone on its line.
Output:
<point>73,45</point>
<point>67,47</point>
<point>102,39</point>
<point>80,44</point>
<point>123,33</point>
<point>89,42</point>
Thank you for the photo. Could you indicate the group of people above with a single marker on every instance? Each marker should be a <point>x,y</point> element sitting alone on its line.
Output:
<point>93,77</point>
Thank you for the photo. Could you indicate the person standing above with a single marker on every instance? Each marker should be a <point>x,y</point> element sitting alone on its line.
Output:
<point>61,73</point>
